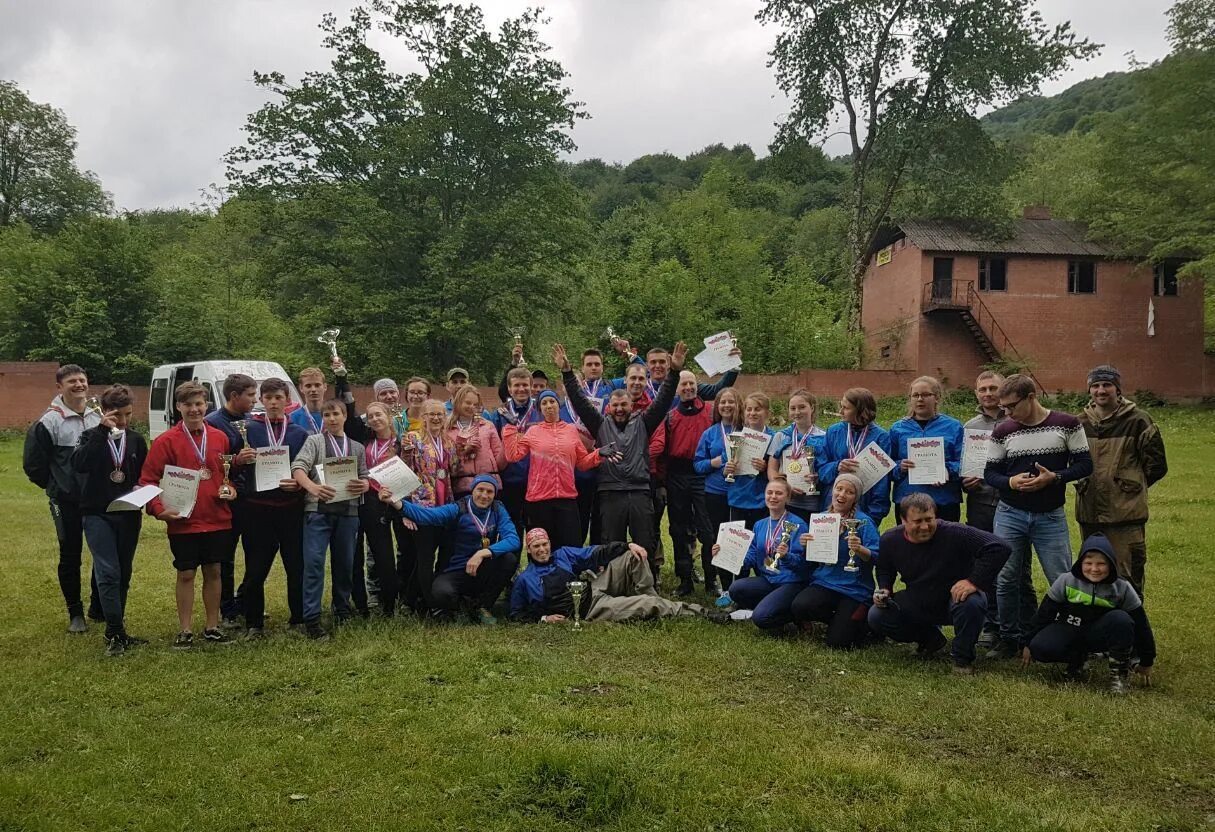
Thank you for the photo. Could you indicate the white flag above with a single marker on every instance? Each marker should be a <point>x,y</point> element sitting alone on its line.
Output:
<point>1151,318</point>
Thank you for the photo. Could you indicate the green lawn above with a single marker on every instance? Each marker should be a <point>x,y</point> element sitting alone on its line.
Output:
<point>675,725</point>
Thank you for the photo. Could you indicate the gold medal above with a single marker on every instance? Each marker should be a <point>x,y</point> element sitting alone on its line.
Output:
<point>793,466</point>
<point>484,542</point>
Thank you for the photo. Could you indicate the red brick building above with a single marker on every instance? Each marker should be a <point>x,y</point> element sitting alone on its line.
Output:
<point>943,301</point>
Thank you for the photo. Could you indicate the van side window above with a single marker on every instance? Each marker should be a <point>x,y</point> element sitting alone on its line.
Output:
<point>160,395</point>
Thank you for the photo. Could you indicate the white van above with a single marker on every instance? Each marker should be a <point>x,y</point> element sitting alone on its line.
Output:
<point>162,414</point>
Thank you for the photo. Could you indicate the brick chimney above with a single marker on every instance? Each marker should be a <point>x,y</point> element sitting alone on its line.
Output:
<point>1036,212</point>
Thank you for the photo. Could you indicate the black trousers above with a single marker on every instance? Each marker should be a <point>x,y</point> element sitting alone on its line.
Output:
<point>718,508</point>
<point>514,499</point>
<point>586,508</point>
<point>846,618</point>
<point>481,590</point>
<point>386,539</point>
<point>69,530</point>
<point>659,499</point>
<point>559,518</point>
<point>750,516</point>
<point>270,531</point>
<point>690,524</point>
<point>231,597</point>
<point>112,539</point>
<point>983,516</point>
<point>1112,633</point>
<point>416,568</point>
<point>625,515</point>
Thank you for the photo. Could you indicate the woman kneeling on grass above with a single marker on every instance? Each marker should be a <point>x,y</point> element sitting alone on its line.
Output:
<point>778,559</point>
<point>838,596</point>
<point>485,549</point>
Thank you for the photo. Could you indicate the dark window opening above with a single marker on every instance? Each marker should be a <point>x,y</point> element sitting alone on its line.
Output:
<point>886,351</point>
<point>1165,280</point>
<point>1081,277</point>
<point>993,274</point>
<point>942,278</point>
<point>160,395</point>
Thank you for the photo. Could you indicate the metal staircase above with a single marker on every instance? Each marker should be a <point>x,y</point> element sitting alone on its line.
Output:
<point>961,300</point>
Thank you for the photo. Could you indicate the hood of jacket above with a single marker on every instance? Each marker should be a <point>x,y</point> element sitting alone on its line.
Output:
<point>1097,543</point>
<point>1125,406</point>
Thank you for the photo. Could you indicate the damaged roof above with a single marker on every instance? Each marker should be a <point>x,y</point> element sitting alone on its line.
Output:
<point>1031,236</point>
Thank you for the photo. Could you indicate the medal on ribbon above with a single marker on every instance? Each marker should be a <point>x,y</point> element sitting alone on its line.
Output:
<point>200,451</point>
<point>117,453</point>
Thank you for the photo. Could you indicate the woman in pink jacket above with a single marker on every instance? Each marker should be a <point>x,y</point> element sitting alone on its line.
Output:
<point>556,450</point>
<point>477,447</point>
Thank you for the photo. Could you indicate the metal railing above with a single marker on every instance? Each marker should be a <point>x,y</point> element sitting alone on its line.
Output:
<point>962,296</point>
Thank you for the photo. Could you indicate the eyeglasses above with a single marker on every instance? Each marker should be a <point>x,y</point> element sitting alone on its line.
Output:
<point>923,395</point>
<point>1011,405</point>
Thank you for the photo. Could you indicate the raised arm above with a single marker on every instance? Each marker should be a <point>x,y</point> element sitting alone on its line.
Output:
<point>661,406</point>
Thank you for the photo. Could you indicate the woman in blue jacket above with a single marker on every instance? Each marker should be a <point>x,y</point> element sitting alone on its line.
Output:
<point>837,596</point>
<point>844,442</point>
<point>710,459</point>
<point>484,544</point>
<point>746,493</point>
<point>923,421</point>
<point>778,558</point>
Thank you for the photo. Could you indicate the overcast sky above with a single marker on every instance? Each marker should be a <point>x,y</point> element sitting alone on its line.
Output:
<point>159,89</point>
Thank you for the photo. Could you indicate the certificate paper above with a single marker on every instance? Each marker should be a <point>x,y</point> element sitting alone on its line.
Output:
<point>875,464</point>
<point>734,540</point>
<point>825,545</point>
<point>337,473</point>
<point>396,476</point>
<point>135,500</point>
<point>928,454</point>
<point>754,446</point>
<point>271,465</point>
<point>715,358</point>
<point>179,489</point>
<point>974,452</point>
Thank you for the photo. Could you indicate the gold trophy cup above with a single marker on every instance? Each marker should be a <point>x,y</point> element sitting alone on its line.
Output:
<point>772,561</point>
<point>733,443</point>
<point>577,590</point>
<point>516,332</point>
<point>226,491</point>
<point>851,524</point>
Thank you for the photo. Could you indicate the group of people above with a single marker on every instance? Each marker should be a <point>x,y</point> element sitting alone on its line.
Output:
<point>544,473</point>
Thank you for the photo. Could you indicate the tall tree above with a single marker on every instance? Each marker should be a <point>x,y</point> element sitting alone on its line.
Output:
<point>39,181</point>
<point>897,72</point>
<point>435,192</point>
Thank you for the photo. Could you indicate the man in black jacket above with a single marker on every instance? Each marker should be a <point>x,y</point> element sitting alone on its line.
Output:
<point>48,464</point>
<point>626,507</point>
<point>949,570</point>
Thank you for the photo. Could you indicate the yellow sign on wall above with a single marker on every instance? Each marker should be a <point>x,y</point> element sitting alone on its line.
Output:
<point>883,256</point>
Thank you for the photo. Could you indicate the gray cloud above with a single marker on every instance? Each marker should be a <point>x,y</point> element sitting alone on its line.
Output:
<point>159,91</point>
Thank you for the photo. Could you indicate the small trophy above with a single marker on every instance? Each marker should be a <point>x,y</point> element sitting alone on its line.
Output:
<point>577,588</point>
<point>851,524</point>
<point>772,561</point>
<point>93,405</point>
<point>733,443</point>
<point>242,427</point>
<point>330,337</point>
<point>516,332</point>
<point>612,337</point>
<point>226,491</point>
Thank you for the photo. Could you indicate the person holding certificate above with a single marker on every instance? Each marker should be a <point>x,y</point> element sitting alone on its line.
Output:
<point>840,592</point>
<point>710,462</point>
<point>107,463</point>
<point>778,559</point>
<point>750,470</point>
<point>485,549</point>
<point>380,525</point>
<point>927,445</point>
<point>795,450</point>
<point>844,442</point>
<point>184,461</point>
<point>555,449</point>
<point>332,470</point>
<point>478,448</point>
<point>274,509</point>
<point>432,457</point>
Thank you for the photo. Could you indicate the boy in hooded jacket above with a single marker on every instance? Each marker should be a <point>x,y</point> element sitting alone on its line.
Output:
<point>1092,609</point>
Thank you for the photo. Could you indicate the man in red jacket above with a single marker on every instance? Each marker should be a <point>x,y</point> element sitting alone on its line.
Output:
<point>199,535</point>
<point>672,449</point>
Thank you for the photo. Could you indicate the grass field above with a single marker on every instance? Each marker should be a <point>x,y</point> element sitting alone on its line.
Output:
<point>672,725</point>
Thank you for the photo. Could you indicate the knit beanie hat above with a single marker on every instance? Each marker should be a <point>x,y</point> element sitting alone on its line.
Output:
<point>1105,372</point>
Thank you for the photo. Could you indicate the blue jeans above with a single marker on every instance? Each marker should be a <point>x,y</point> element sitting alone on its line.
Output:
<point>902,623</point>
<point>335,532</point>
<point>1047,533</point>
<point>772,604</point>
<point>112,539</point>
